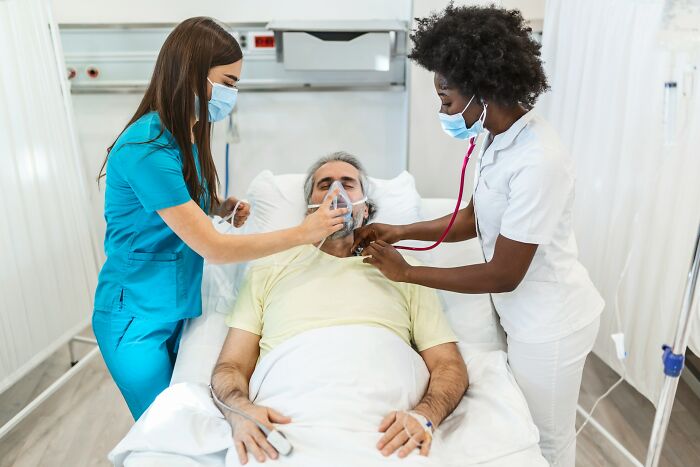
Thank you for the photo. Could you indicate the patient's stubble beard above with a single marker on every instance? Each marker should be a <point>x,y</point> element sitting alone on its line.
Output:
<point>340,243</point>
<point>349,228</point>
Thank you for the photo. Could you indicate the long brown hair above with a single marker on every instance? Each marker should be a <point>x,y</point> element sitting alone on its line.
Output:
<point>190,50</point>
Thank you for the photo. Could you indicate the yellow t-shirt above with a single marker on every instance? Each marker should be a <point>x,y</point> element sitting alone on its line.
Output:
<point>292,292</point>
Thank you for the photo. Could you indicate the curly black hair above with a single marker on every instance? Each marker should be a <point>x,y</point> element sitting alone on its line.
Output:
<point>487,51</point>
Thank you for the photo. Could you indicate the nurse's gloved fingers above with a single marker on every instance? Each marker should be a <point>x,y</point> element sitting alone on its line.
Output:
<point>276,417</point>
<point>264,444</point>
<point>242,453</point>
<point>252,447</point>
<point>387,421</point>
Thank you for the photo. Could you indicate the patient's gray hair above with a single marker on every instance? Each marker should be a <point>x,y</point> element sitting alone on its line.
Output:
<point>341,156</point>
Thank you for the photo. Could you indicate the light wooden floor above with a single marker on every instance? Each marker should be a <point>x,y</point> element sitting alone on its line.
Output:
<point>86,418</point>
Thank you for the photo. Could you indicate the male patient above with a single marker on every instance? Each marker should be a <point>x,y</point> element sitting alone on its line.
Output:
<point>277,303</point>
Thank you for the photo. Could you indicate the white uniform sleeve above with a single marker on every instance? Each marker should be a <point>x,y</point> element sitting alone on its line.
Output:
<point>539,193</point>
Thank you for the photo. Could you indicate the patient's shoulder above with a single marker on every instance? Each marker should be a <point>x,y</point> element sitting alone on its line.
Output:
<point>281,259</point>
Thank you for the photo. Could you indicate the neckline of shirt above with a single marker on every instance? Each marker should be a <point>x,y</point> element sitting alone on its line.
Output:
<point>504,140</point>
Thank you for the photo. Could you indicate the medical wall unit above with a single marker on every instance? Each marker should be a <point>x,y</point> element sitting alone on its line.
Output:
<point>280,55</point>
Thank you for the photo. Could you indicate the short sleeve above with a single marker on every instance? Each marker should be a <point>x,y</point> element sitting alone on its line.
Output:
<point>428,321</point>
<point>247,313</point>
<point>539,193</point>
<point>155,175</point>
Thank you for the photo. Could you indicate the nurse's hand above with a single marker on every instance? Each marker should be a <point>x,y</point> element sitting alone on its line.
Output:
<point>242,213</point>
<point>323,222</point>
<point>389,261</point>
<point>374,232</point>
<point>248,438</point>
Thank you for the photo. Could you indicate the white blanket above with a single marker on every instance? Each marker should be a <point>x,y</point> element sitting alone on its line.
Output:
<point>337,384</point>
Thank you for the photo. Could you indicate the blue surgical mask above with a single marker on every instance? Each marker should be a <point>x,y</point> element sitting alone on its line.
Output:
<point>223,100</point>
<point>455,126</point>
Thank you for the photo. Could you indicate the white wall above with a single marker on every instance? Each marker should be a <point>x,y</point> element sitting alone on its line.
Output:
<point>173,11</point>
<point>434,158</point>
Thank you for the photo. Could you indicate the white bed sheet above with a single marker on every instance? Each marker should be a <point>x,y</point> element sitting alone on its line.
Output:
<point>472,317</point>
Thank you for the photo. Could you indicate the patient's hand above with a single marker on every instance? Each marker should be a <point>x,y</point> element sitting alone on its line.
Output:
<point>247,436</point>
<point>396,428</point>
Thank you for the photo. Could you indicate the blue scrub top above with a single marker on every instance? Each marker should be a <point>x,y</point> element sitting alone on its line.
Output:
<point>149,273</point>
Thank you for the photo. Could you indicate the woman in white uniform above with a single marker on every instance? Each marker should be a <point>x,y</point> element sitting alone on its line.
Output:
<point>488,75</point>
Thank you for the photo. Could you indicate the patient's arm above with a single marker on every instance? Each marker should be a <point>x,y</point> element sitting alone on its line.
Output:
<point>230,383</point>
<point>235,366</point>
<point>448,383</point>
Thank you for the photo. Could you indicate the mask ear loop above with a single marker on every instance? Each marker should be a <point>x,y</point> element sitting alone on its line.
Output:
<point>468,104</point>
<point>483,113</point>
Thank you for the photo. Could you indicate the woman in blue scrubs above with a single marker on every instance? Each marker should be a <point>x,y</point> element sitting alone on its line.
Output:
<point>161,184</point>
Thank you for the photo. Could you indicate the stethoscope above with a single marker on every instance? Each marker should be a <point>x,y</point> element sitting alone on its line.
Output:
<point>472,145</point>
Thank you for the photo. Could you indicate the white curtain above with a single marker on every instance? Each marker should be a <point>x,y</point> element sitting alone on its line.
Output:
<point>636,193</point>
<point>47,255</point>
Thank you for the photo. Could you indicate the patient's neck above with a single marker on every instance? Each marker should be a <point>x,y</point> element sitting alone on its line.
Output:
<point>339,247</point>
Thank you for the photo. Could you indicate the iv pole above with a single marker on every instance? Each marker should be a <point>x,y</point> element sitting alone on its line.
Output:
<point>673,360</point>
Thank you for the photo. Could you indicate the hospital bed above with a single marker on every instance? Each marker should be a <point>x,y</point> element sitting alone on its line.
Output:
<point>491,427</point>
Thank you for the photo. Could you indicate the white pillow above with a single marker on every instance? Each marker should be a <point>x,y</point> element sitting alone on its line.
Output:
<point>277,201</point>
